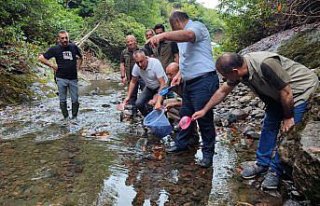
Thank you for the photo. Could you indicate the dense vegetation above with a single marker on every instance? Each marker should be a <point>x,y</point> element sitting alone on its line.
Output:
<point>30,26</point>
<point>248,21</point>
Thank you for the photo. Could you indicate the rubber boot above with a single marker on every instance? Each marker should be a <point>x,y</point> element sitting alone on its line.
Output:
<point>64,109</point>
<point>75,108</point>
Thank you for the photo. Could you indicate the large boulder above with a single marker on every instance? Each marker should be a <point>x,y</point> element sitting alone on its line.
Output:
<point>300,151</point>
<point>306,168</point>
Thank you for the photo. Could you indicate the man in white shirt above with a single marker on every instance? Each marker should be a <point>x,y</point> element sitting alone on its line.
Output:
<point>152,73</point>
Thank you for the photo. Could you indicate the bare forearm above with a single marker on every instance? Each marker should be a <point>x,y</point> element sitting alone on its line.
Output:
<point>286,98</point>
<point>218,96</point>
<point>179,36</point>
<point>45,61</point>
<point>162,85</point>
<point>79,63</point>
<point>122,70</point>
<point>131,88</point>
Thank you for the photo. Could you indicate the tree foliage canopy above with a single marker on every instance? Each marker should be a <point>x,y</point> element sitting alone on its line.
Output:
<point>35,20</point>
<point>248,21</point>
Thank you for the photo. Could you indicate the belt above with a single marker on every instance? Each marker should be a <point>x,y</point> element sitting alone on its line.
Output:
<point>200,77</point>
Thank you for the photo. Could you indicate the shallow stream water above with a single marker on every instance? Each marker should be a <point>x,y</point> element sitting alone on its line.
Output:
<point>98,160</point>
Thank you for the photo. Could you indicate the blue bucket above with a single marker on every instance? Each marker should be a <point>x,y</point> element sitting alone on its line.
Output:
<point>158,123</point>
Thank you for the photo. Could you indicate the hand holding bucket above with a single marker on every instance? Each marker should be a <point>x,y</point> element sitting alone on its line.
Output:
<point>165,90</point>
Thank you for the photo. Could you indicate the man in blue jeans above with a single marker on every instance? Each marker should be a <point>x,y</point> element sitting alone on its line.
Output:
<point>284,85</point>
<point>199,78</point>
<point>68,58</point>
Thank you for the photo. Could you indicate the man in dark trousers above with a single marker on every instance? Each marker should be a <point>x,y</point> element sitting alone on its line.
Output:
<point>197,70</point>
<point>68,58</point>
<point>151,72</point>
<point>126,65</point>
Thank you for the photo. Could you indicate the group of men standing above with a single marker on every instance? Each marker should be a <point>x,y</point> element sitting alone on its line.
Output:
<point>196,69</point>
<point>185,56</point>
<point>283,85</point>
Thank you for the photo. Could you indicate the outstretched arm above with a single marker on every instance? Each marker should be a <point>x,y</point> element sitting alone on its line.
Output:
<point>132,84</point>
<point>159,97</point>
<point>216,98</point>
<point>177,36</point>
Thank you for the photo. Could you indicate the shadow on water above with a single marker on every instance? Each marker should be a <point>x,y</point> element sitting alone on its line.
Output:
<point>98,160</point>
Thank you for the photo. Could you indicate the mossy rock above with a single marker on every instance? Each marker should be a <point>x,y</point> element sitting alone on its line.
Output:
<point>304,48</point>
<point>15,88</point>
<point>299,152</point>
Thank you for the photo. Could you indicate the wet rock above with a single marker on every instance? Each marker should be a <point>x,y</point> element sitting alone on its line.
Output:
<point>250,132</point>
<point>105,105</point>
<point>245,99</point>
<point>291,203</point>
<point>255,102</point>
<point>43,161</point>
<point>231,118</point>
<point>239,114</point>
<point>217,120</point>
<point>257,113</point>
<point>184,191</point>
<point>248,109</point>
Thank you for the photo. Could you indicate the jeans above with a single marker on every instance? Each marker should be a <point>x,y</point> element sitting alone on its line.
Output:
<point>195,96</point>
<point>143,99</point>
<point>64,85</point>
<point>269,133</point>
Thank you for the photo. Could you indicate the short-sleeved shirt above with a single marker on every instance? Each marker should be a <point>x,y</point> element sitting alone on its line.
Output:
<point>151,74</point>
<point>66,58</point>
<point>195,58</point>
<point>149,50</point>
<point>127,59</point>
<point>165,52</point>
<point>268,73</point>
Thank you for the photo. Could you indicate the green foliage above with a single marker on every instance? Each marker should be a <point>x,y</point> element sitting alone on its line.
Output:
<point>110,36</point>
<point>146,12</point>
<point>124,25</point>
<point>35,20</point>
<point>248,21</point>
<point>85,8</point>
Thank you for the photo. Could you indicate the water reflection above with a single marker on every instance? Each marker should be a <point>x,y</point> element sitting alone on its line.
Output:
<point>98,160</point>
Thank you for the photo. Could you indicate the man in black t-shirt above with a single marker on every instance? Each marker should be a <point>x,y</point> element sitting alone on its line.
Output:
<point>68,58</point>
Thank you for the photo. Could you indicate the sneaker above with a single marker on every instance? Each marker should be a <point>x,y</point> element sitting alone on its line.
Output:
<point>271,181</point>
<point>167,141</point>
<point>252,171</point>
<point>175,149</point>
<point>205,162</point>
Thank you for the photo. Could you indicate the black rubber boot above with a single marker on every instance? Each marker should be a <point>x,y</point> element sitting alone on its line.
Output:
<point>75,109</point>
<point>64,109</point>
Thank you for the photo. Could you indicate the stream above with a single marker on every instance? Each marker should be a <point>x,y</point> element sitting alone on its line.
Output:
<point>99,160</point>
